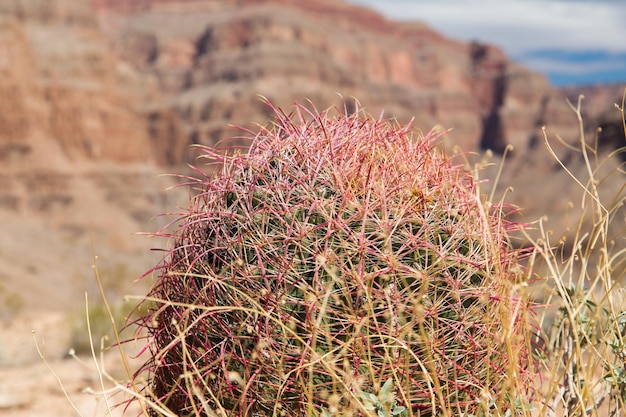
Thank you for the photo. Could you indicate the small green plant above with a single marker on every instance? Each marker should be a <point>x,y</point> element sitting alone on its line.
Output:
<point>96,320</point>
<point>13,304</point>
<point>385,403</point>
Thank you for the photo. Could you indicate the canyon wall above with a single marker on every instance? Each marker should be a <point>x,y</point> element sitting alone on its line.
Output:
<point>98,98</point>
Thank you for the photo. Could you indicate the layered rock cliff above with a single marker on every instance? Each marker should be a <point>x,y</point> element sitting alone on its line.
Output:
<point>78,154</point>
<point>98,97</point>
<point>214,57</point>
<point>600,106</point>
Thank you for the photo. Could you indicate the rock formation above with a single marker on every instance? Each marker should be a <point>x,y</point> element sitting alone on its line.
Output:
<point>78,152</point>
<point>212,58</point>
<point>600,106</point>
<point>98,97</point>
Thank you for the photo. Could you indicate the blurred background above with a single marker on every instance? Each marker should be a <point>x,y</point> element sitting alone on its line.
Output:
<point>99,98</point>
<point>573,42</point>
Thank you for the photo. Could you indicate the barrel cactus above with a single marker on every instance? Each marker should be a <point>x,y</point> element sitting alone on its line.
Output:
<point>339,253</point>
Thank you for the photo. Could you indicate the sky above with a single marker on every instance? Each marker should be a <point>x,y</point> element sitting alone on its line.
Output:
<point>574,42</point>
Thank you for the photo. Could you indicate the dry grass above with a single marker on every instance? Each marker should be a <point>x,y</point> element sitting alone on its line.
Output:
<point>584,316</point>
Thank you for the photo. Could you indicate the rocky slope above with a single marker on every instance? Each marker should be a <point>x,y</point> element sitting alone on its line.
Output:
<point>78,155</point>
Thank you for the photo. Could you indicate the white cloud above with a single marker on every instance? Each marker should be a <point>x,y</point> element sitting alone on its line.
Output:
<point>519,25</point>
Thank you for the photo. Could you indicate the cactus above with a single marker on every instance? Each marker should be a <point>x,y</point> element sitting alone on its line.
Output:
<point>336,254</point>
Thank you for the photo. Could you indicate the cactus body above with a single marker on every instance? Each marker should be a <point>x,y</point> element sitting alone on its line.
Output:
<point>339,252</point>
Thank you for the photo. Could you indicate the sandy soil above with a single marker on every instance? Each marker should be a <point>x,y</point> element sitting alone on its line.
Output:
<point>33,387</point>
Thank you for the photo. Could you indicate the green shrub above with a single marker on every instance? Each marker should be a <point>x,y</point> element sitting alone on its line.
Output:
<point>95,325</point>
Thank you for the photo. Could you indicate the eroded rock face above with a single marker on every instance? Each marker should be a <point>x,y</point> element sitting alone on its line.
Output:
<point>600,106</point>
<point>71,12</point>
<point>63,83</point>
<point>79,150</point>
<point>17,84</point>
<point>60,81</point>
<point>212,58</point>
